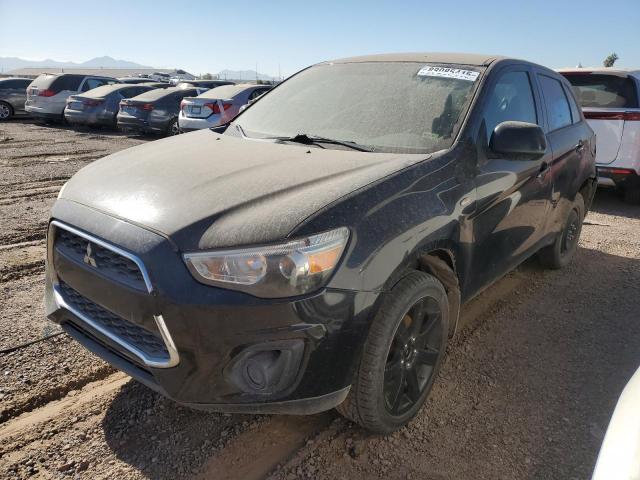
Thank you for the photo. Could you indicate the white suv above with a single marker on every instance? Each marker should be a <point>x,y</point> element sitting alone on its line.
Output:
<point>610,101</point>
<point>47,95</point>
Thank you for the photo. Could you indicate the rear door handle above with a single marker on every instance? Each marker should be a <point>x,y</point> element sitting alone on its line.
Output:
<point>579,148</point>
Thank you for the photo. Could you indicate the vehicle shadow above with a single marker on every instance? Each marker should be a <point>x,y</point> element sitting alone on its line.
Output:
<point>162,439</point>
<point>527,391</point>
<point>610,201</point>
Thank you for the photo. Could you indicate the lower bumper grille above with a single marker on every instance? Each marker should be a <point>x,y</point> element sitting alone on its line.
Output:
<point>151,344</point>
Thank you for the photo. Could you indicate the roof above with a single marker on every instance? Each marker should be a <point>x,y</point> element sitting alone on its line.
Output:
<point>100,72</point>
<point>104,90</point>
<point>610,70</point>
<point>426,57</point>
<point>157,93</point>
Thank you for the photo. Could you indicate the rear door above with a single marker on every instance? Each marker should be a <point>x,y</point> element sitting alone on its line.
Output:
<point>513,194</point>
<point>606,99</point>
<point>570,139</point>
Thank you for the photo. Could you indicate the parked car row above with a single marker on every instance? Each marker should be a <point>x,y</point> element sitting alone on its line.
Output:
<point>130,103</point>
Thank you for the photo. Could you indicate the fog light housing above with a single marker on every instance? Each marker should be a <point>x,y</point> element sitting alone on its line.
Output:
<point>266,369</point>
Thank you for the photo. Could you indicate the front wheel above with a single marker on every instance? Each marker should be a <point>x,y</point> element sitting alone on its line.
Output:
<point>562,250</point>
<point>401,356</point>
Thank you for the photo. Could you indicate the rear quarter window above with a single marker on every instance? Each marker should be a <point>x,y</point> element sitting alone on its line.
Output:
<point>67,82</point>
<point>604,91</point>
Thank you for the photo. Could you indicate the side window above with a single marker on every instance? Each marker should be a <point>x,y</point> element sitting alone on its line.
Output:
<point>256,93</point>
<point>128,92</point>
<point>66,82</point>
<point>556,102</point>
<point>575,111</point>
<point>510,100</point>
<point>92,83</point>
<point>7,84</point>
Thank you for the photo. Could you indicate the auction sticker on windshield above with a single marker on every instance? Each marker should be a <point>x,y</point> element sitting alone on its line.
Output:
<point>445,72</point>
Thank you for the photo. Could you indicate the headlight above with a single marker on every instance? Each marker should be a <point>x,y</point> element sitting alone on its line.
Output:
<point>292,268</point>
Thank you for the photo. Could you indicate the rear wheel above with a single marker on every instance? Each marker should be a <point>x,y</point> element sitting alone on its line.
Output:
<point>562,250</point>
<point>6,112</point>
<point>401,356</point>
<point>173,128</point>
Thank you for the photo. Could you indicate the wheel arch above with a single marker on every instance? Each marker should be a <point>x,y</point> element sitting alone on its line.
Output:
<point>442,260</point>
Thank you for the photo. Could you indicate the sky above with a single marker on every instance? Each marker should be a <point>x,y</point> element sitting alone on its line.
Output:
<point>285,36</point>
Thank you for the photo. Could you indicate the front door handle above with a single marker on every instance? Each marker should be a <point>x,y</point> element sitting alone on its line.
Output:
<point>579,148</point>
<point>544,169</point>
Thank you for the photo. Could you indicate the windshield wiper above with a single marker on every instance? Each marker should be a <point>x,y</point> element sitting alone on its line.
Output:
<point>307,139</point>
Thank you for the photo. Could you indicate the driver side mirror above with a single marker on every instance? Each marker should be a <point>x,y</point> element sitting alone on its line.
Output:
<point>519,139</point>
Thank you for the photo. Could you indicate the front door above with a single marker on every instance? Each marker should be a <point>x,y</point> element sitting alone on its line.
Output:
<point>513,194</point>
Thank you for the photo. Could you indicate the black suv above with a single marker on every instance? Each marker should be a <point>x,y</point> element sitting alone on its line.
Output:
<point>314,253</point>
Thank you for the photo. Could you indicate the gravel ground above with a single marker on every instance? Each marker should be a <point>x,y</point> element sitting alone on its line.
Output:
<point>526,390</point>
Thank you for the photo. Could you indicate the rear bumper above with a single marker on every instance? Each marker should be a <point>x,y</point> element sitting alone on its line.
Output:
<point>306,347</point>
<point>89,118</point>
<point>145,125</point>
<point>41,113</point>
<point>190,124</point>
<point>616,176</point>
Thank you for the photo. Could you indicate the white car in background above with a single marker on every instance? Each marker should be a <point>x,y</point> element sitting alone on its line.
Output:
<point>610,100</point>
<point>217,106</point>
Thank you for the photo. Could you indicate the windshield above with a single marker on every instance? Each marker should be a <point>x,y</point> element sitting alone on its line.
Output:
<point>401,107</point>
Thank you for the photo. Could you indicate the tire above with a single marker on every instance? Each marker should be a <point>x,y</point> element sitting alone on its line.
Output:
<point>392,381</point>
<point>6,111</point>
<point>562,250</point>
<point>173,128</point>
<point>632,191</point>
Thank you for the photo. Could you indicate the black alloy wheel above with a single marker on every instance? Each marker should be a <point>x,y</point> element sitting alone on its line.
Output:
<point>413,356</point>
<point>401,355</point>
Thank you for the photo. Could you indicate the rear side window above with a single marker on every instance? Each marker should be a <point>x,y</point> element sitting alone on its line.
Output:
<point>575,111</point>
<point>92,83</point>
<point>556,101</point>
<point>511,99</point>
<point>604,91</point>
<point>67,82</point>
<point>257,92</point>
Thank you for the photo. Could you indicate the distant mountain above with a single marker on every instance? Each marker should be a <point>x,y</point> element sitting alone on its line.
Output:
<point>12,63</point>
<point>243,75</point>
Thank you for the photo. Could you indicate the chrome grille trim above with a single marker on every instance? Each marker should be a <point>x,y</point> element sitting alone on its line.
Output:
<point>151,362</point>
<point>108,246</point>
<point>146,360</point>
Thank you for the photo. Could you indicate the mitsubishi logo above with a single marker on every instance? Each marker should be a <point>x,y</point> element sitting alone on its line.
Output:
<point>88,257</point>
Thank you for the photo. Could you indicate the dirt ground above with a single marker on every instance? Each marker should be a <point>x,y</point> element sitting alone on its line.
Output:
<point>526,390</point>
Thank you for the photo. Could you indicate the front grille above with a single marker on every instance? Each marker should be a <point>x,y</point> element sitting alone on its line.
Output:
<point>144,340</point>
<point>104,261</point>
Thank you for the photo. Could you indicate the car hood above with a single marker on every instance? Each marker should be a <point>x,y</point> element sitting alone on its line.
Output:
<point>206,190</point>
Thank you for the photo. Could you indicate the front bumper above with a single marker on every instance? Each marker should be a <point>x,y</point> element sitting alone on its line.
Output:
<point>309,345</point>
